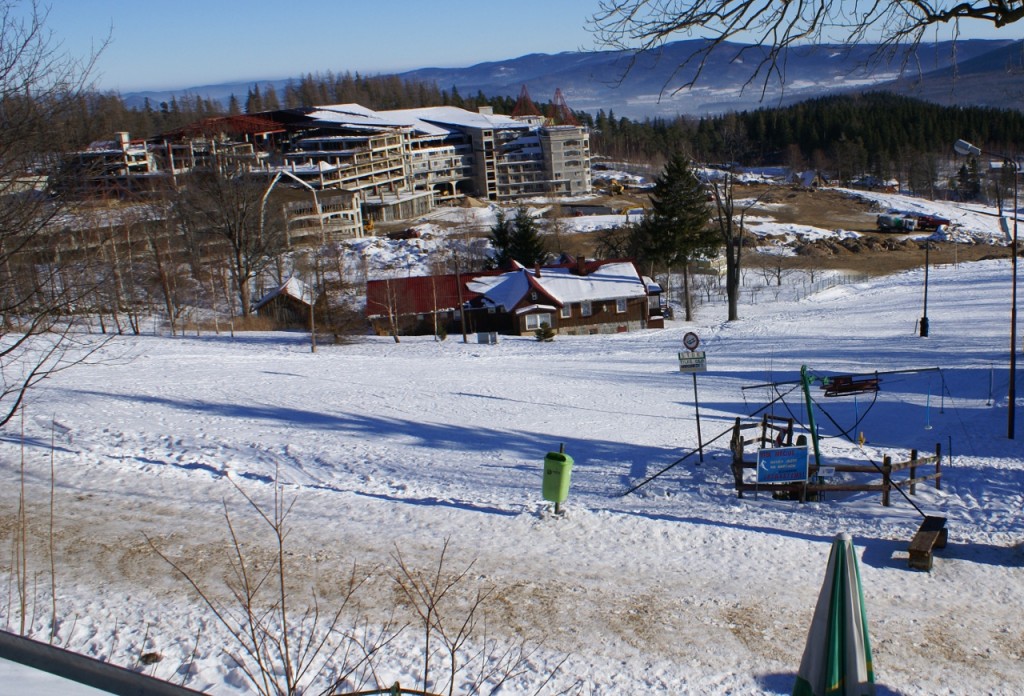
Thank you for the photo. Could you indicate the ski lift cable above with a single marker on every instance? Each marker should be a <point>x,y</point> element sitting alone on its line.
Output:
<point>675,463</point>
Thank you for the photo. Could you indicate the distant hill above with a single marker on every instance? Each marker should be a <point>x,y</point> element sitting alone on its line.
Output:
<point>968,72</point>
<point>994,78</point>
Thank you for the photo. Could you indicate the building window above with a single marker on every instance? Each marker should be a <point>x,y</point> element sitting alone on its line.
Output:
<point>535,321</point>
<point>585,309</point>
<point>566,312</point>
<point>620,305</point>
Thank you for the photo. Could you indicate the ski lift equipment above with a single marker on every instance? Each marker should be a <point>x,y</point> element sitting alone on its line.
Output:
<point>845,385</point>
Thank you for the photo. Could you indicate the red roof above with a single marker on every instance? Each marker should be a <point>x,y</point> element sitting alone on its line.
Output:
<point>240,124</point>
<point>417,295</point>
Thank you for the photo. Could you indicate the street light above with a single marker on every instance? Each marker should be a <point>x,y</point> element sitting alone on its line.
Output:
<point>924,316</point>
<point>962,147</point>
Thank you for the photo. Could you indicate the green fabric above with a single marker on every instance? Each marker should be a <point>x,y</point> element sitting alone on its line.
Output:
<point>837,657</point>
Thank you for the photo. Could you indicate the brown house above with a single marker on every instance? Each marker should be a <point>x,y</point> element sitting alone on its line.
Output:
<point>288,305</point>
<point>573,297</point>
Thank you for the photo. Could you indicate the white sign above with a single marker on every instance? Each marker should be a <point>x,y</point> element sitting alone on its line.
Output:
<point>693,362</point>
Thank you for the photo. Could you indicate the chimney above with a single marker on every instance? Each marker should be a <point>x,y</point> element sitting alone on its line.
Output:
<point>536,270</point>
<point>123,141</point>
<point>581,265</point>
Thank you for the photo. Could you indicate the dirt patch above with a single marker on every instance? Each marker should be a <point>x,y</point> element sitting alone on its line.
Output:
<point>872,253</point>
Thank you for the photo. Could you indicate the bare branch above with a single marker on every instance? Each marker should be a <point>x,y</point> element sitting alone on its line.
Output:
<point>769,29</point>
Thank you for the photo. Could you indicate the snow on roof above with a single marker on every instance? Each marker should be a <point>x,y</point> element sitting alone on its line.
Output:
<point>434,120</point>
<point>453,116</point>
<point>293,287</point>
<point>352,115</point>
<point>536,308</point>
<point>503,290</point>
<point>608,281</point>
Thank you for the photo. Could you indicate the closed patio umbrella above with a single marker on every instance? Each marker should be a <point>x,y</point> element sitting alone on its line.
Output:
<point>837,658</point>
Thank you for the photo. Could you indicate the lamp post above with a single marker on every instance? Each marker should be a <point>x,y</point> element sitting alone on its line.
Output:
<point>962,147</point>
<point>924,315</point>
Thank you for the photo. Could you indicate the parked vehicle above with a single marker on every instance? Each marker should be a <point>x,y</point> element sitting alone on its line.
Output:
<point>889,222</point>
<point>930,222</point>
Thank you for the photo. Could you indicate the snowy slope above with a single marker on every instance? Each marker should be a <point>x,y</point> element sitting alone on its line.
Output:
<point>679,587</point>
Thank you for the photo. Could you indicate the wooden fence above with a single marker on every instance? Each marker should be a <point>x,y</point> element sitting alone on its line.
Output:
<point>778,432</point>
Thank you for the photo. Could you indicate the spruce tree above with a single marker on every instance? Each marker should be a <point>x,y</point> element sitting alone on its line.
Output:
<point>526,245</point>
<point>677,231</point>
<point>501,240</point>
<point>517,239</point>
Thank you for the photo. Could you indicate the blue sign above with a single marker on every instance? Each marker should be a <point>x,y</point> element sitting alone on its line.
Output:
<point>782,464</point>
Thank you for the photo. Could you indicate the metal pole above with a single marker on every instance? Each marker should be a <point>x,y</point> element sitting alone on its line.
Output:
<point>924,316</point>
<point>1012,406</point>
<point>696,407</point>
<point>805,379</point>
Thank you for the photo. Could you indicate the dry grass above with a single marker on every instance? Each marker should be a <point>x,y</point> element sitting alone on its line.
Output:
<point>874,253</point>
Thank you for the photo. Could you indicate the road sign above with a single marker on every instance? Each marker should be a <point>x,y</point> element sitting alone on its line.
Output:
<point>693,362</point>
<point>691,341</point>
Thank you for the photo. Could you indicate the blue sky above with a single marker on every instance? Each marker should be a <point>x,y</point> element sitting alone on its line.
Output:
<point>176,44</point>
<point>167,44</point>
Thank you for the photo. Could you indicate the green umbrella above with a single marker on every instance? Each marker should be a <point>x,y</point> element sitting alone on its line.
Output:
<point>837,658</point>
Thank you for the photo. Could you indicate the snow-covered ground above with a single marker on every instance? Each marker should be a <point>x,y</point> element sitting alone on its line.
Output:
<point>392,448</point>
<point>969,224</point>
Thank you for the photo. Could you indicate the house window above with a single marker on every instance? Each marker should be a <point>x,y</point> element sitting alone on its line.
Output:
<point>535,321</point>
<point>620,305</point>
<point>566,312</point>
<point>585,309</point>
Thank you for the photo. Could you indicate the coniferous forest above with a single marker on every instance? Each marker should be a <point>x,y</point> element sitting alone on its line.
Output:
<point>875,133</point>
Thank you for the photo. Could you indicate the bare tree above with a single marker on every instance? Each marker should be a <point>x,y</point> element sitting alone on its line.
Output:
<point>227,205</point>
<point>282,651</point>
<point>774,268</point>
<point>44,283</point>
<point>770,28</point>
<point>732,239</point>
<point>453,613</point>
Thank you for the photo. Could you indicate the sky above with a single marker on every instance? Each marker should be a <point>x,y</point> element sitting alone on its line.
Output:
<point>179,44</point>
<point>161,44</point>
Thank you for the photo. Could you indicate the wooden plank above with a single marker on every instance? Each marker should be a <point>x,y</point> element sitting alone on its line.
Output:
<point>932,534</point>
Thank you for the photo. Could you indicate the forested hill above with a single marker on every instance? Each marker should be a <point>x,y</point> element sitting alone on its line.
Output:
<point>873,131</point>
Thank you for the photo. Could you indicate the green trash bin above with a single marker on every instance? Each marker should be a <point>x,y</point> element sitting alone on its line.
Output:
<point>557,472</point>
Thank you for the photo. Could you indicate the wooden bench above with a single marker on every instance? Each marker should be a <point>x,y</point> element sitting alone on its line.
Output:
<point>932,535</point>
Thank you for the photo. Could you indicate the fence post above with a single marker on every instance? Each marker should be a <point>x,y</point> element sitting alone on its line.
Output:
<point>737,457</point>
<point>938,466</point>
<point>913,471</point>
<point>886,479</point>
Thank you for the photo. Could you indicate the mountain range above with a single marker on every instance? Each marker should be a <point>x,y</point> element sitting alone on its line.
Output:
<point>976,72</point>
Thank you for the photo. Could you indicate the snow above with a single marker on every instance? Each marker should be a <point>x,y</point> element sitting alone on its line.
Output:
<point>392,448</point>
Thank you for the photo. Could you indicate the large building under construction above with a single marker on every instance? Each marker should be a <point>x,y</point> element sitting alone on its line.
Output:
<point>350,166</point>
<point>443,151</point>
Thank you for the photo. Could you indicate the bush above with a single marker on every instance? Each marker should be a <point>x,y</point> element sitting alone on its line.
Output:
<point>545,333</point>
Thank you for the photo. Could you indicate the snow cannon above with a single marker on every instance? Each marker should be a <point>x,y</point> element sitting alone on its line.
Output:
<point>557,473</point>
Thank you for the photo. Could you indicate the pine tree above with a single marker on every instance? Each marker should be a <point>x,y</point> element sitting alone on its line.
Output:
<point>677,231</point>
<point>501,239</point>
<point>517,239</point>
<point>253,101</point>
<point>526,245</point>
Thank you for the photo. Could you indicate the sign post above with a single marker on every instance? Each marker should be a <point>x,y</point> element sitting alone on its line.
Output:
<point>693,362</point>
